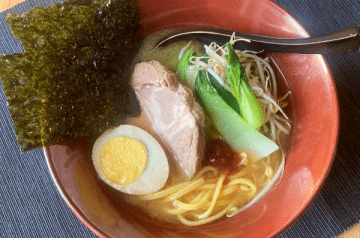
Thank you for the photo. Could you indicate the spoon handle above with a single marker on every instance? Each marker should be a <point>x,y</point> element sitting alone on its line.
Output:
<point>344,40</point>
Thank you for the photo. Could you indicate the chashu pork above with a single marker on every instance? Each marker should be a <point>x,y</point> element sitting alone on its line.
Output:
<point>171,114</point>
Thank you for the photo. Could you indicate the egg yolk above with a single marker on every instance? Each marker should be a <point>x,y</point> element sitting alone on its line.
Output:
<point>124,159</point>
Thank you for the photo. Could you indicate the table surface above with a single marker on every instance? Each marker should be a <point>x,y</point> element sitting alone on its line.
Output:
<point>31,206</point>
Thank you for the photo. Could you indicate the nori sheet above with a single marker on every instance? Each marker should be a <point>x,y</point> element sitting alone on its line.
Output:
<point>71,81</point>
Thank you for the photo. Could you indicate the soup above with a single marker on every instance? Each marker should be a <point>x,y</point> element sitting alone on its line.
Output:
<point>227,181</point>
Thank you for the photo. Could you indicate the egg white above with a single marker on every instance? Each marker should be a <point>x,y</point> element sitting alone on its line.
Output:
<point>155,174</point>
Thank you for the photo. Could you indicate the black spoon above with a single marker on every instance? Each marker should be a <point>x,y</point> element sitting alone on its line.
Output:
<point>344,40</point>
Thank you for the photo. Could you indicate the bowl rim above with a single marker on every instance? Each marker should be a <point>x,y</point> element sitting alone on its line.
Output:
<point>336,119</point>
<point>317,188</point>
<point>67,198</point>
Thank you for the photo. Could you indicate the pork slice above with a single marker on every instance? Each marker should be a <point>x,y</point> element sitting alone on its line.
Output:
<point>153,73</point>
<point>175,115</point>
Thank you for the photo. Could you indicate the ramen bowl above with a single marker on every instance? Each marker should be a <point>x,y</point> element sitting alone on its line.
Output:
<point>312,143</point>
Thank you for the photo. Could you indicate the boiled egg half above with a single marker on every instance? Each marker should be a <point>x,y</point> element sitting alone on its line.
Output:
<point>130,160</point>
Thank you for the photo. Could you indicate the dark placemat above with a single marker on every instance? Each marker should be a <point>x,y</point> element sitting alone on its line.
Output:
<point>31,206</point>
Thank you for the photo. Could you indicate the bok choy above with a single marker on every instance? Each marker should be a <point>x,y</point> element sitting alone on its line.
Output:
<point>250,109</point>
<point>183,67</point>
<point>234,130</point>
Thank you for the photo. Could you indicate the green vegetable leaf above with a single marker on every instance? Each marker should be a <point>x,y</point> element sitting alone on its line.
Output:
<point>227,96</point>
<point>183,66</point>
<point>234,130</point>
<point>250,109</point>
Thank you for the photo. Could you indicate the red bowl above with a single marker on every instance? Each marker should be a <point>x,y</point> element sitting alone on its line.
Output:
<point>313,139</point>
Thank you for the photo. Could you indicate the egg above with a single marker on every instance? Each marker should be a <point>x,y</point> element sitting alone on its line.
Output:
<point>130,160</point>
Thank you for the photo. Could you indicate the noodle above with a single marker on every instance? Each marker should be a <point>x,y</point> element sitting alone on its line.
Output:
<point>210,195</point>
<point>205,170</point>
<point>228,191</point>
<point>206,220</point>
<point>185,190</point>
<point>164,193</point>
<point>193,206</point>
<point>205,189</point>
<point>198,198</point>
<point>242,181</point>
<point>215,197</point>
<point>208,186</point>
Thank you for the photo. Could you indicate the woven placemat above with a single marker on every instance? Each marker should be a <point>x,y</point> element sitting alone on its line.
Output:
<point>30,205</point>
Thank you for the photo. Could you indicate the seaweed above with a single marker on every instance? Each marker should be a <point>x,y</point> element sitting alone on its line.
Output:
<point>71,81</point>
